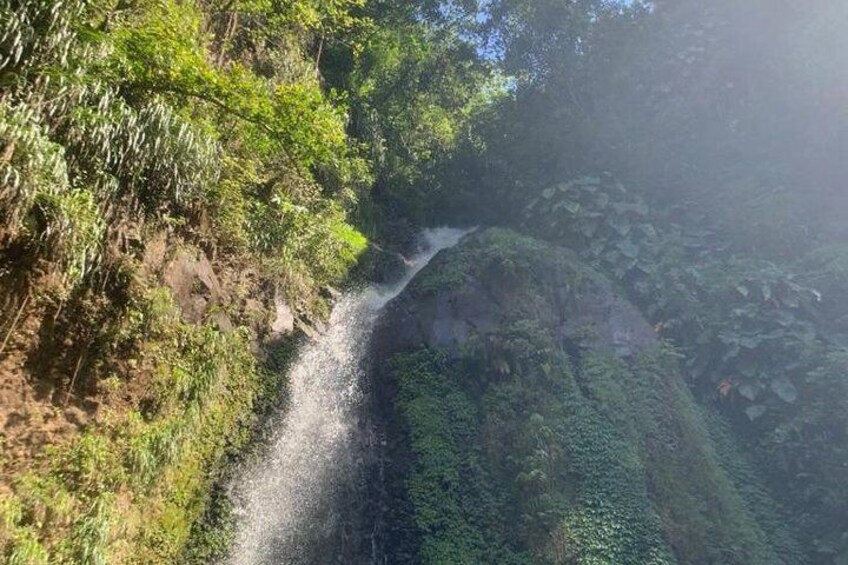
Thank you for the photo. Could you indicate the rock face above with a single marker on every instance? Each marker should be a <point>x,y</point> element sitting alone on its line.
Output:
<point>194,285</point>
<point>495,277</point>
<point>526,413</point>
<point>382,266</point>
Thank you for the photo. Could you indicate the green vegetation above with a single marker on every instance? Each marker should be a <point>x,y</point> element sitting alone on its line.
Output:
<point>130,487</point>
<point>692,152</point>
<point>523,452</point>
<point>237,131</point>
<point>133,112</point>
<point>672,146</point>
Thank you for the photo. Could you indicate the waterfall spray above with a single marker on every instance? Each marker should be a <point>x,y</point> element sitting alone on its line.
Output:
<point>285,503</point>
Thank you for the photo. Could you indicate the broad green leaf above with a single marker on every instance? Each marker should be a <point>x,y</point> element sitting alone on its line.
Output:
<point>755,412</point>
<point>748,391</point>
<point>785,390</point>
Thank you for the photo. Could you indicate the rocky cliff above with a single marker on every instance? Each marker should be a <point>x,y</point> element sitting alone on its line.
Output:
<point>527,413</point>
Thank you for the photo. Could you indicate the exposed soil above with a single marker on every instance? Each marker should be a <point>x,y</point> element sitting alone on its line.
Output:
<point>36,409</point>
<point>56,357</point>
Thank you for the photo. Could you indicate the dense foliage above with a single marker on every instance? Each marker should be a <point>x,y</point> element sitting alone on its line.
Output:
<point>692,151</point>
<point>526,449</point>
<point>152,457</point>
<point>117,113</point>
<point>248,133</point>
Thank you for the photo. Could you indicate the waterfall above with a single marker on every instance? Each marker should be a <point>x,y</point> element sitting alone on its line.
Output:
<point>286,503</point>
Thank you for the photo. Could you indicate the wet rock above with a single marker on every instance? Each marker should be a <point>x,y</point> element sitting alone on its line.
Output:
<point>330,293</point>
<point>496,275</point>
<point>382,266</point>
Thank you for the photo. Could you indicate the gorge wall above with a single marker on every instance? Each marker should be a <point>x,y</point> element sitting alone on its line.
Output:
<point>529,414</point>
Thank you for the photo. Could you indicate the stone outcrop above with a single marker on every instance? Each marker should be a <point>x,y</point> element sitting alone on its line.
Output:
<point>523,411</point>
<point>471,291</point>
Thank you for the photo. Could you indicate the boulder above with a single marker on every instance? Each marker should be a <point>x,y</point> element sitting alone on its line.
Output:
<point>495,276</point>
<point>193,283</point>
<point>527,413</point>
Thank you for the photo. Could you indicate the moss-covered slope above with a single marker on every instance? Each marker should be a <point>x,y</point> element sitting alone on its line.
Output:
<point>530,416</point>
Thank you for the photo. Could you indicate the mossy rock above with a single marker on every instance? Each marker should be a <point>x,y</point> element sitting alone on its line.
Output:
<point>529,415</point>
<point>496,276</point>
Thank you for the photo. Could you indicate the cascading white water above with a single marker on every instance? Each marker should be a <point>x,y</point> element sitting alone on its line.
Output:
<point>284,503</point>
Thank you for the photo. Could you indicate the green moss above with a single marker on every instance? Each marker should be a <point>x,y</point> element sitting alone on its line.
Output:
<point>776,525</point>
<point>704,517</point>
<point>589,458</point>
<point>131,488</point>
<point>618,469</point>
<point>213,532</point>
<point>212,535</point>
<point>531,268</point>
<point>451,494</point>
<point>553,467</point>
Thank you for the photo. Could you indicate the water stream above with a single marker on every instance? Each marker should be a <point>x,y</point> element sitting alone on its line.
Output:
<point>289,505</point>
